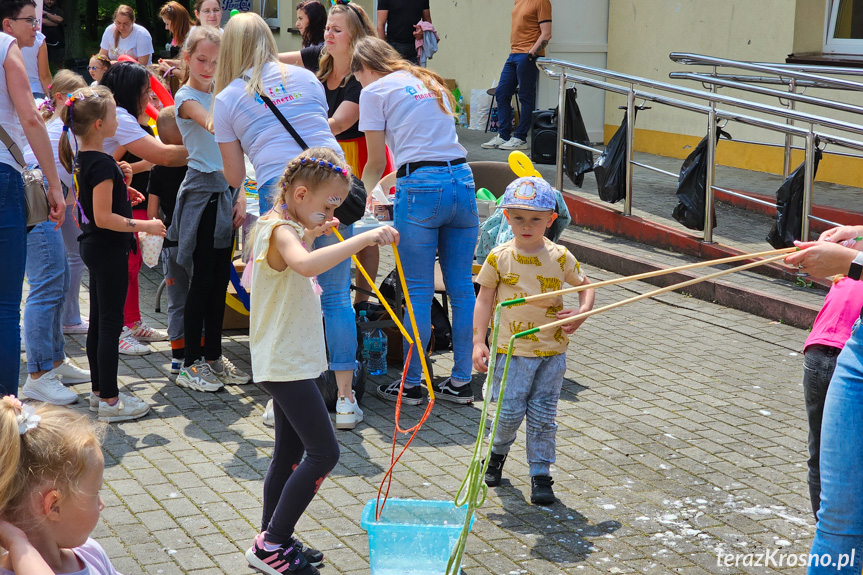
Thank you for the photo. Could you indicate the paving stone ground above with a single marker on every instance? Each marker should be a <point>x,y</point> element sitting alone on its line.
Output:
<point>682,434</point>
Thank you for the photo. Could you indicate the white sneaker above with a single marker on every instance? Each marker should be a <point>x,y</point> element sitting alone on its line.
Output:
<point>94,400</point>
<point>131,346</point>
<point>495,142</point>
<point>199,376</point>
<point>48,389</point>
<point>143,332</point>
<point>80,327</point>
<point>348,414</point>
<point>513,144</point>
<point>70,374</point>
<point>127,408</point>
<point>269,416</point>
<point>228,373</point>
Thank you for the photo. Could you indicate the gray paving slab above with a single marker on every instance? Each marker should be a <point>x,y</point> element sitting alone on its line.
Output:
<point>681,434</point>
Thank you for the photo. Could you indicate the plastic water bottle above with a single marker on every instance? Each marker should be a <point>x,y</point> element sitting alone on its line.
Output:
<point>462,115</point>
<point>364,334</point>
<point>375,345</point>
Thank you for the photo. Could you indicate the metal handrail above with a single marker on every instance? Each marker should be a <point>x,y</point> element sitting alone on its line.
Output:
<point>702,60</point>
<point>707,78</point>
<point>814,69</point>
<point>632,93</point>
<point>781,80</point>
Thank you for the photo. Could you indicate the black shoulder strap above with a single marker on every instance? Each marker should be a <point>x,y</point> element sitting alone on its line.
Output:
<point>281,118</point>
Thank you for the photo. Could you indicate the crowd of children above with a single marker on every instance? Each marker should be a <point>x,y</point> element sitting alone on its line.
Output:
<point>55,453</point>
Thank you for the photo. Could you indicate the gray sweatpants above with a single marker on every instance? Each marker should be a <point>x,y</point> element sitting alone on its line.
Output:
<point>177,284</point>
<point>532,390</point>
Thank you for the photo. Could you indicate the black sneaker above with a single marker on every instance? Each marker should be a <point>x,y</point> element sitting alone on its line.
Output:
<point>449,392</point>
<point>411,396</point>
<point>495,469</point>
<point>541,492</point>
<point>283,560</point>
<point>313,556</point>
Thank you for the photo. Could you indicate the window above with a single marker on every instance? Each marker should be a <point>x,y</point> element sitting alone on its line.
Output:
<point>844,34</point>
<point>270,12</point>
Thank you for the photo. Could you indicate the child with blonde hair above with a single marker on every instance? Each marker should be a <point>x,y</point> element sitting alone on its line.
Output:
<point>104,210</point>
<point>286,338</point>
<point>207,212</point>
<point>51,469</point>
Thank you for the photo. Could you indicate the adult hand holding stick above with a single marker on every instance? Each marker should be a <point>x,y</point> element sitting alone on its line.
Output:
<point>832,254</point>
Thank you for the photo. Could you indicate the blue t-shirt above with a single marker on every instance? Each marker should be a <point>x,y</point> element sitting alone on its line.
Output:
<point>204,154</point>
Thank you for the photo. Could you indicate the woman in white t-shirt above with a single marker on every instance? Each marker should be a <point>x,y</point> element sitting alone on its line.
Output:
<point>249,66</point>
<point>20,119</point>
<point>124,37</point>
<point>408,108</point>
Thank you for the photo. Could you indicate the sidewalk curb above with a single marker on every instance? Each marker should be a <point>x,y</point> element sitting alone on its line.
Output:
<point>756,302</point>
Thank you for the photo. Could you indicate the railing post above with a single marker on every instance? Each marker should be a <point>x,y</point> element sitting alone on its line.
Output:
<point>789,139</point>
<point>561,114</point>
<point>808,176</point>
<point>708,181</point>
<point>630,138</point>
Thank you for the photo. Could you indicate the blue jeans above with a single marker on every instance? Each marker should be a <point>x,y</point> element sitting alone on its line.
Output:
<point>519,72</point>
<point>840,519</point>
<point>435,213</point>
<point>13,246</point>
<point>532,390</point>
<point>339,318</point>
<point>265,192</point>
<point>71,231</point>
<point>48,276</point>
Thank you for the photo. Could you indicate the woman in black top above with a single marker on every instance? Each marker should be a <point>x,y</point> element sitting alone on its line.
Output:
<point>311,20</point>
<point>347,24</point>
<point>104,211</point>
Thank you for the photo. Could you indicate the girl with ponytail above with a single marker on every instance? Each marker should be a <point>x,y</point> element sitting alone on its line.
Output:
<point>51,469</point>
<point>104,210</point>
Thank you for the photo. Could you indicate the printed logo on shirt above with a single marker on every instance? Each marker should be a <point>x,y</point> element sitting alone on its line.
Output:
<point>279,95</point>
<point>419,92</point>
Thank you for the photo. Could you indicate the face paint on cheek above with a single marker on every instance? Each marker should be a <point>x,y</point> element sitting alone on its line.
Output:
<point>317,217</point>
<point>334,200</point>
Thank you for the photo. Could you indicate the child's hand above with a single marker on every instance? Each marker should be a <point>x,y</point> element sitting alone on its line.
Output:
<point>135,196</point>
<point>239,211</point>
<point>569,328</point>
<point>126,168</point>
<point>383,236</point>
<point>480,357</point>
<point>154,227</point>
<point>11,536</point>
<point>325,228</point>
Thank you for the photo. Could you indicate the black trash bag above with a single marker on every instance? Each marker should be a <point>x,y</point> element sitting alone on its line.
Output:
<point>610,167</point>
<point>789,207</point>
<point>326,383</point>
<point>441,325</point>
<point>692,184</point>
<point>577,161</point>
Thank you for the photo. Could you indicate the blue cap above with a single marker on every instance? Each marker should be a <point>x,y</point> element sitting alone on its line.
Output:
<point>530,193</point>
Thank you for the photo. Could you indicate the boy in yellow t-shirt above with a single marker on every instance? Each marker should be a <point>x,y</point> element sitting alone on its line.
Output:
<point>529,264</point>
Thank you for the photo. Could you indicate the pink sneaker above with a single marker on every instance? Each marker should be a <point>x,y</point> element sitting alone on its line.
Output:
<point>143,332</point>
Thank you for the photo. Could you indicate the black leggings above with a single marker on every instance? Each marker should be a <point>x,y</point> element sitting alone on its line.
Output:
<point>302,425</point>
<point>109,279</point>
<point>205,304</point>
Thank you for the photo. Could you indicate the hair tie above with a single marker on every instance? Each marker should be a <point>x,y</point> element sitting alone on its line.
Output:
<point>70,100</point>
<point>65,128</point>
<point>27,419</point>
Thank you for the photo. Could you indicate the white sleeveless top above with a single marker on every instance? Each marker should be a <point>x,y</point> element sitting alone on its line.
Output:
<point>8,114</point>
<point>286,326</point>
<point>31,62</point>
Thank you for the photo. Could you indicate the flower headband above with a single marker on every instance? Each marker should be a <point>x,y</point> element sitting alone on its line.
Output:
<point>324,164</point>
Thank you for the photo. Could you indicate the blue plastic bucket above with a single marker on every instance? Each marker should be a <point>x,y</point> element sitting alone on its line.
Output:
<point>413,537</point>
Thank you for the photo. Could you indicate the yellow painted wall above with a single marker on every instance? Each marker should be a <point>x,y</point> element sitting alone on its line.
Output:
<point>643,32</point>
